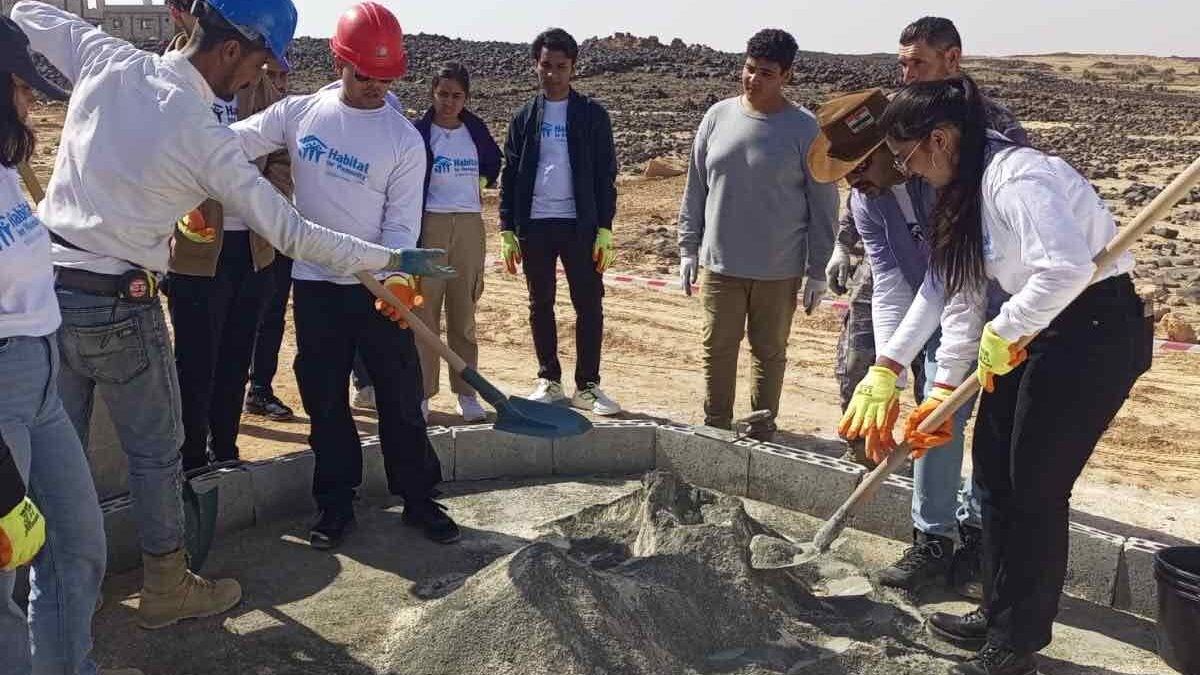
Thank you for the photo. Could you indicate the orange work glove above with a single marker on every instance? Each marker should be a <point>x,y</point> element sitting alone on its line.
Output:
<point>408,290</point>
<point>997,357</point>
<point>879,440</point>
<point>921,442</point>
<point>194,227</point>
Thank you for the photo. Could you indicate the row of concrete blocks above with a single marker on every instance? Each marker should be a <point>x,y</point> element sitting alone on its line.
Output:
<point>1105,569</point>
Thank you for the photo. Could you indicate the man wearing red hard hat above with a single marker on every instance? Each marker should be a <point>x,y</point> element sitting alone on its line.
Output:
<point>359,164</point>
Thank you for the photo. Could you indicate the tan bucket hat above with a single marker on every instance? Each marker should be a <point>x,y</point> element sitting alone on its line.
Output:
<point>849,134</point>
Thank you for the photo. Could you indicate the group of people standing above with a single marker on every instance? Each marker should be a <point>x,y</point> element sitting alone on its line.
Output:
<point>972,239</point>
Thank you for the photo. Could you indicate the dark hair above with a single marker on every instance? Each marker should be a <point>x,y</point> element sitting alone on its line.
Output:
<point>956,241</point>
<point>558,40</point>
<point>453,70</point>
<point>181,5</point>
<point>934,31</point>
<point>213,30</point>
<point>775,45</point>
<point>16,138</point>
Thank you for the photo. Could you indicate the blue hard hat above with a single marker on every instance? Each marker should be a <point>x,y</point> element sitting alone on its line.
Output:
<point>272,21</point>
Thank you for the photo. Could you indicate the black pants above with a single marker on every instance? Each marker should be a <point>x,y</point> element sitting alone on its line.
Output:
<point>215,321</point>
<point>1034,435</point>
<point>270,326</point>
<point>331,322</point>
<point>543,242</point>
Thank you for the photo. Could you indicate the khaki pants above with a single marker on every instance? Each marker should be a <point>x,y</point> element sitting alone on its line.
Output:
<point>734,307</point>
<point>463,237</point>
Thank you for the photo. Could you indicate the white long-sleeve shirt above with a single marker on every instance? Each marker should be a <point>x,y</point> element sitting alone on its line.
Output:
<point>27,304</point>
<point>1043,223</point>
<point>360,171</point>
<point>141,148</point>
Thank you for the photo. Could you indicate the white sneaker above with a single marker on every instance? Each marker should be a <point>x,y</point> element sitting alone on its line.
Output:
<point>592,399</point>
<point>547,391</point>
<point>470,410</point>
<point>365,398</point>
<point>425,409</point>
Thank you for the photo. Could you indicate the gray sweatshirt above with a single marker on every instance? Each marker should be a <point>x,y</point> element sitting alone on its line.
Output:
<point>750,209</point>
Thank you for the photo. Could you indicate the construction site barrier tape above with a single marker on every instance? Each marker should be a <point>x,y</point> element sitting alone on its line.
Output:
<point>660,284</point>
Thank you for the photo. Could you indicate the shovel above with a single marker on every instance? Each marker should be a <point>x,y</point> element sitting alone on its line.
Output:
<point>514,415</point>
<point>771,552</point>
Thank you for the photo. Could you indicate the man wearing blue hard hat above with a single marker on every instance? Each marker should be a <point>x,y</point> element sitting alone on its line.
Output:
<point>140,149</point>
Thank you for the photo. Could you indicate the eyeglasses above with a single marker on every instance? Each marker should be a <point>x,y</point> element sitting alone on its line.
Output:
<point>366,78</point>
<point>901,165</point>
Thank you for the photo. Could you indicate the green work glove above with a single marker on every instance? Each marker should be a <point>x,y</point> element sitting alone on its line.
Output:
<point>873,409</point>
<point>510,250</point>
<point>420,262</point>
<point>602,250</point>
<point>997,356</point>
<point>22,533</point>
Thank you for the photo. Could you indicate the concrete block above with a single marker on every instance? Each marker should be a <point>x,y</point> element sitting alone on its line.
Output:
<point>442,439</point>
<point>374,488</point>
<point>704,461</point>
<point>282,486</point>
<point>889,513</point>
<point>1092,564</point>
<point>110,467</point>
<point>801,480</point>
<point>481,452</point>
<point>1137,589</point>
<point>609,448</point>
<point>120,528</point>
<point>235,498</point>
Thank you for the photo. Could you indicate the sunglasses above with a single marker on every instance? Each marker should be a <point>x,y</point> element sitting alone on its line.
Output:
<point>901,165</point>
<point>365,78</point>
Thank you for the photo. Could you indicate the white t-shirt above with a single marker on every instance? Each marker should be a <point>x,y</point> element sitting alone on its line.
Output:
<point>226,112</point>
<point>28,306</point>
<point>454,178</point>
<point>361,172</point>
<point>554,189</point>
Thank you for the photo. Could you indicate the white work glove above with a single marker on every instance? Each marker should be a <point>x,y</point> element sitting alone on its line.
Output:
<point>837,272</point>
<point>814,291</point>
<point>689,272</point>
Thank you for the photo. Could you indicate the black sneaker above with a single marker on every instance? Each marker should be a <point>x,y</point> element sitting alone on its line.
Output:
<point>927,562</point>
<point>268,405</point>
<point>966,569</point>
<point>331,529</point>
<point>996,660</point>
<point>968,631</point>
<point>431,517</point>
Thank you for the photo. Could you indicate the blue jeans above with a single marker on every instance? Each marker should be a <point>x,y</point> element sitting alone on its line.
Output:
<point>122,352</point>
<point>65,581</point>
<point>940,498</point>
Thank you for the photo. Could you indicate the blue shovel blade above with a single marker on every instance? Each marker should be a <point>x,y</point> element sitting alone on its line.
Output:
<point>530,418</point>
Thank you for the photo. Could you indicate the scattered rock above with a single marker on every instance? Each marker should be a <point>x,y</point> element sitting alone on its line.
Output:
<point>1178,330</point>
<point>660,167</point>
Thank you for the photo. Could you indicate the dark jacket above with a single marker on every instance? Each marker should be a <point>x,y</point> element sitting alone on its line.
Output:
<point>489,153</point>
<point>593,163</point>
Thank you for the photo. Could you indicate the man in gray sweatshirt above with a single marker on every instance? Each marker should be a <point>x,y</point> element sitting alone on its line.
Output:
<point>758,225</point>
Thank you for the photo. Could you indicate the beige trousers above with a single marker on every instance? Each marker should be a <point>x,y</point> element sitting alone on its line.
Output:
<point>463,237</point>
<point>733,308</point>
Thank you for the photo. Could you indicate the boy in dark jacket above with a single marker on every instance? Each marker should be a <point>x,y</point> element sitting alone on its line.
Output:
<point>558,197</point>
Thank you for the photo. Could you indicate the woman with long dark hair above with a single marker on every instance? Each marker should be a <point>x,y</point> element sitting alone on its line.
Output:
<point>463,158</point>
<point>1031,223</point>
<point>41,459</point>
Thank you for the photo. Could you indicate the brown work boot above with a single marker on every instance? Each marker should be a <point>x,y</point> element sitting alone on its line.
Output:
<point>170,592</point>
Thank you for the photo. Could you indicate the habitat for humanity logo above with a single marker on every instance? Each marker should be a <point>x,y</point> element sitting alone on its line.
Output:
<point>457,166</point>
<point>555,131</point>
<point>442,164</point>
<point>338,164</point>
<point>17,223</point>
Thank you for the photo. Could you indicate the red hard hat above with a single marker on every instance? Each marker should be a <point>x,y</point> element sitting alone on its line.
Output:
<point>370,38</point>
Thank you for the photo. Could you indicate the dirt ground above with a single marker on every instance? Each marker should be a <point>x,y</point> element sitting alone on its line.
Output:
<point>1146,471</point>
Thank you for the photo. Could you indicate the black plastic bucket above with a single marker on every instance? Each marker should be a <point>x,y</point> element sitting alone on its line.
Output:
<point>1177,570</point>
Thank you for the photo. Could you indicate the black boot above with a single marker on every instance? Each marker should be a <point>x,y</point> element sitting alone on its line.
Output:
<point>927,562</point>
<point>332,528</point>
<point>966,632</point>
<point>431,517</point>
<point>996,660</point>
<point>966,570</point>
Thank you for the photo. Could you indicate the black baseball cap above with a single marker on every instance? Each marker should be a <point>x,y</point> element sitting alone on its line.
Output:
<point>16,58</point>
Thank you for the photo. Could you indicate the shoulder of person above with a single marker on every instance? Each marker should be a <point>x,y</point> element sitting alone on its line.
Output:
<point>1015,165</point>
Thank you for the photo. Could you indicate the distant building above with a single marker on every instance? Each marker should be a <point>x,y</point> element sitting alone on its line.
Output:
<point>136,23</point>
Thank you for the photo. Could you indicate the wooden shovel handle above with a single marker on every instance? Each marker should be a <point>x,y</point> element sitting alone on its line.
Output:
<point>31,182</point>
<point>423,332</point>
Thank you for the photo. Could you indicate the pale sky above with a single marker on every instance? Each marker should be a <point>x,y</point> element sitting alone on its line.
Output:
<point>1159,27</point>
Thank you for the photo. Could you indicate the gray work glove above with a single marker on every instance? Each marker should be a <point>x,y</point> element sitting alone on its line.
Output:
<point>689,272</point>
<point>837,272</point>
<point>814,291</point>
<point>420,262</point>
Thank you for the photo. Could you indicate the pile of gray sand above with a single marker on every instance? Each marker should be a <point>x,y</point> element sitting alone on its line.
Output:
<point>656,582</point>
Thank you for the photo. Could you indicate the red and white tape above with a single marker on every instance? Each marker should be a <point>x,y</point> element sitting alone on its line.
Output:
<point>675,285</point>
